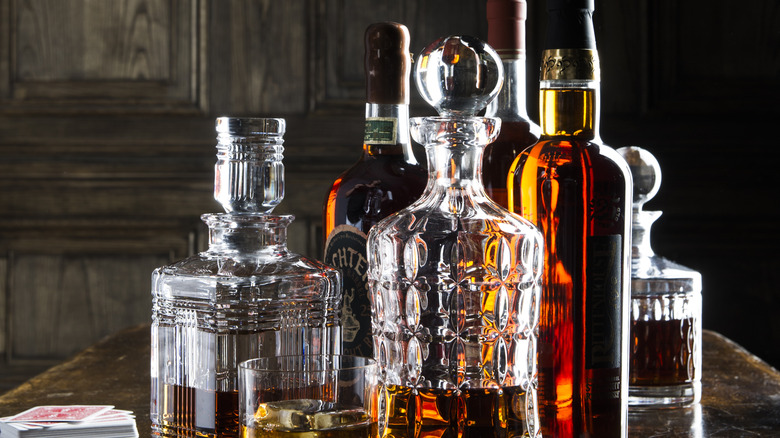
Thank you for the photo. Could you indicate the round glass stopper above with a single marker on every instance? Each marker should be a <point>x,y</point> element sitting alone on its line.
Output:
<point>459,75</point>
<point>645,172</point>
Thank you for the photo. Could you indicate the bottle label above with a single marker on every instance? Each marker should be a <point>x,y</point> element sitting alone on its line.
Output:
<point>602,302</point>
<point>345,250</point>
<point>381,130</point>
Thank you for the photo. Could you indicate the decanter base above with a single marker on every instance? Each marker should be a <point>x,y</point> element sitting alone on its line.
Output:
<point>670,396</point>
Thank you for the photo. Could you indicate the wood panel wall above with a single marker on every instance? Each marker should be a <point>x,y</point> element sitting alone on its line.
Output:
<point>107,114</point>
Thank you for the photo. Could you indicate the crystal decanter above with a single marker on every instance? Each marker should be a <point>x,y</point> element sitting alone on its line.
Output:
<point>665,367</point>
<point>455,278</point>
<point>245,296</point>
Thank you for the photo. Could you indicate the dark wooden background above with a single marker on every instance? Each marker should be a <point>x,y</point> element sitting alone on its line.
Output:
<point>107,139</point>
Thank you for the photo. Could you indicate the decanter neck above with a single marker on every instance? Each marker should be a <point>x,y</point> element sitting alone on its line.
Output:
<point>454,165</point>
<point>454,146</point>
<point>640,233</point>
<point>239,235</point>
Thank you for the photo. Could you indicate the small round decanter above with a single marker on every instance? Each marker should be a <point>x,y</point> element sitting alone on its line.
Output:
<point>665,367</point>
<point>455,278</point>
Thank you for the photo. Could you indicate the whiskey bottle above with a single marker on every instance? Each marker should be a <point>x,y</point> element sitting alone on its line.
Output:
<point>506,34</point>
<point>385,179</point>
<point>246,296</point>
<point>455,278</point>
<point>665,368</point>
<point>577,191</point>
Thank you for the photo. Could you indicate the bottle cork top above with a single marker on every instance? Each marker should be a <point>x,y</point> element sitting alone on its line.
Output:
<point>506,27</point>
<point>387,63</point>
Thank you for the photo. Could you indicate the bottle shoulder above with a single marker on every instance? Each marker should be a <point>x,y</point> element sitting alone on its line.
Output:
<point>381,172</point>
<point>440,215</point>
<point>230,284</point>
<point>372,190</point>
<point>272,265</point>
<point>657,275</point>
<point>567,152</point>
<point>424,243</point>
<point>519,131</point>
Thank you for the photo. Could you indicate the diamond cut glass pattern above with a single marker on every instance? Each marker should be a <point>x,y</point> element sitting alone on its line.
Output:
<point>455,283</point>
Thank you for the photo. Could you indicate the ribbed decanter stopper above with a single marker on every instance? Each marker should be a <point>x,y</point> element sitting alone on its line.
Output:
<point>249,174</point>
<point>459,75</point>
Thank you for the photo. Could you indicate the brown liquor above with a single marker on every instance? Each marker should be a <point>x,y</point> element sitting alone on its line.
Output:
<point>499,155</point>
<point>506,33</point>
<point>665,350</point>
<point>577,191</point>
<point>581,318</point>
<point>662,352</point>
<point>192,412</point>
<point>309,418</point>
<point>478,412</point>
<point>386,179</point>
<point>367,430</point>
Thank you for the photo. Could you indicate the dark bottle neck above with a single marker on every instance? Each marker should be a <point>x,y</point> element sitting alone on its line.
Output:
<point>506,34</point>
<point>387,131</point>
<point>570,74</point>
<point>509,104</point>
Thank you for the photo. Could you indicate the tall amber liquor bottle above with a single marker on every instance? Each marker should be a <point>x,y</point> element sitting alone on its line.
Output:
<point>506,34</point>
<point>385,179</point>
<point>577,191</point>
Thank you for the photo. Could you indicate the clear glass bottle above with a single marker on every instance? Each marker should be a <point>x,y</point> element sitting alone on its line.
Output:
<point>665,367</point>
<point>577,191</point>
<point>454,278</point>
<point>386,178</point>
<point>245,296</point>
<point>506,34</point>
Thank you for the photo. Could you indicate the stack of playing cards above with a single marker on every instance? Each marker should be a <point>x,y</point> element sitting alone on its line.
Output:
<point>70,421</point>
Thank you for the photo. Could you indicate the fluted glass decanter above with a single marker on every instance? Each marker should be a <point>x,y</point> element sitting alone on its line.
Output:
<point>246,296</point>
<point>455,278</point>
<point>665,357</point>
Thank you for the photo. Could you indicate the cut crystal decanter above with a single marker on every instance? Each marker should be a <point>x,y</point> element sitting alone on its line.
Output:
<point>665,368</point>
<point>245,296</point>
<point>455,278</point>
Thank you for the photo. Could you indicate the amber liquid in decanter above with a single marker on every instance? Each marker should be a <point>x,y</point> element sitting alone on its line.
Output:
<point>666,302</point>
<point>482,412</point>
<point>661,352</point>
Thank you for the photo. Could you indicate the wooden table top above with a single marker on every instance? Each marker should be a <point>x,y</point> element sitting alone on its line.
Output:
<point>740,392</point>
